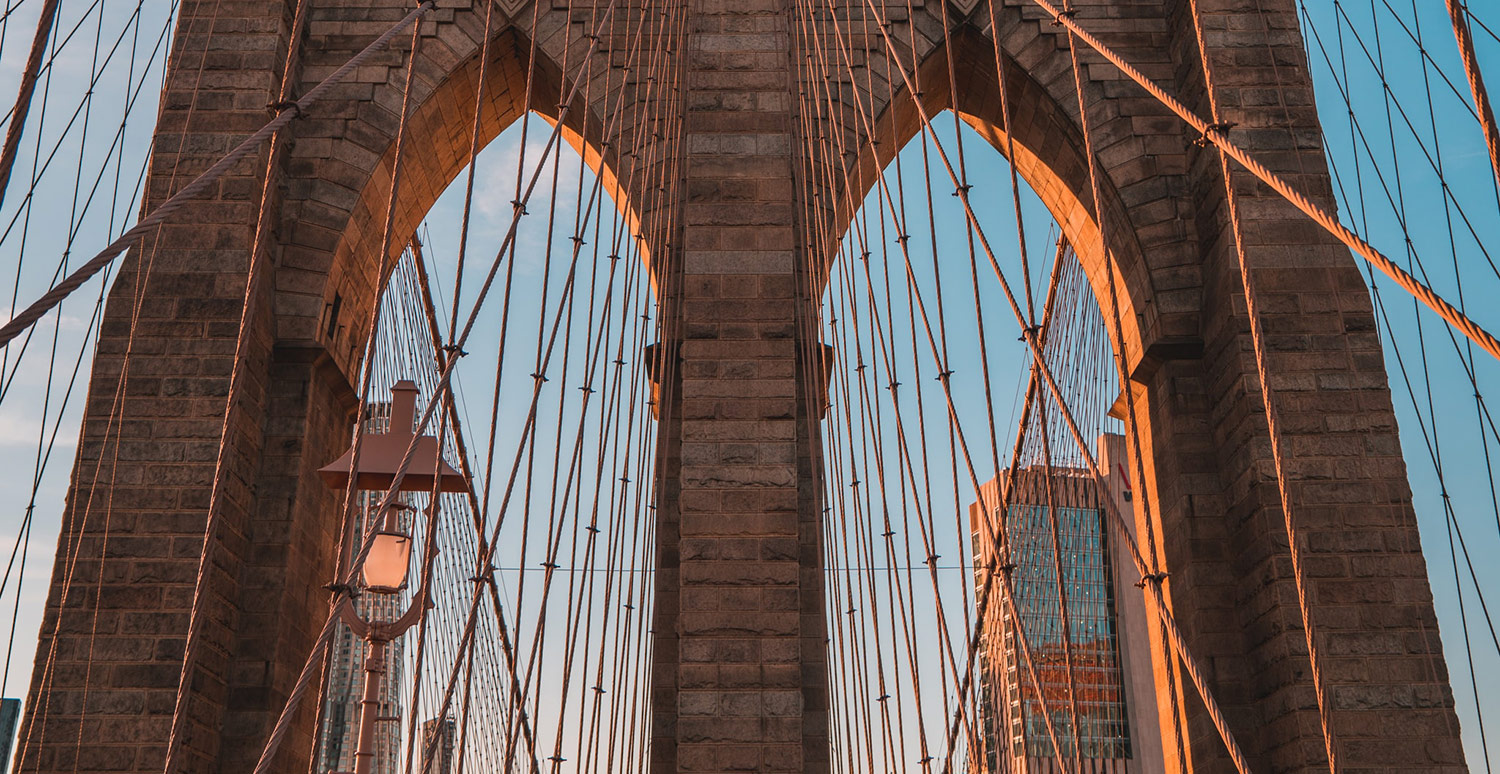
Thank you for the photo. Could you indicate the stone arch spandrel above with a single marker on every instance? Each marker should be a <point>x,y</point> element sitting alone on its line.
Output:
<point>335,186</point>
<point>340,169</point>
<point>1142,154</point>
<point>1207,467</point>
<point>1149,222</point>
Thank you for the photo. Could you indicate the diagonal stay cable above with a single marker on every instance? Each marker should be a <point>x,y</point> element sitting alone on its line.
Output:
<point>51,298</point>
<point>1154,592</point>
<point>28,89</point>
<point>1459,14</point>
<point>315,656</point>
<point>1330,223</point>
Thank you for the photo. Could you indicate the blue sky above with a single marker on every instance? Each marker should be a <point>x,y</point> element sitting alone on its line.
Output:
<point>1385,162</point>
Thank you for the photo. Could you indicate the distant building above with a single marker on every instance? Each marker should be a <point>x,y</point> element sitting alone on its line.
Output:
<point>10,715</point>
<point>1112,681</point>
<point>444,731</point>
<point>339,736</point>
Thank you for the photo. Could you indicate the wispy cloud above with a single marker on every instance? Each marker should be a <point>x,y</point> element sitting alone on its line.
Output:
<point>503,165</point>
<point>19,427</point>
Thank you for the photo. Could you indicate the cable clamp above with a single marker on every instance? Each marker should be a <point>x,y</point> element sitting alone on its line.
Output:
<point>281,106</point>
<point>1222,129</point>
<point>962,191</point>
<point>519,206</point>
<point>488,576</point>
<point>944,375</point>
<point>1151,577</point>
<point>454,350</point>
<point>1029,332</point>
<point>349,591</point>
<point>1007,568</point>
<point>1060,15</point>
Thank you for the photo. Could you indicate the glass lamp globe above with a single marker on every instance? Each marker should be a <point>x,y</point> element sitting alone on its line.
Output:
<point>385,566</point>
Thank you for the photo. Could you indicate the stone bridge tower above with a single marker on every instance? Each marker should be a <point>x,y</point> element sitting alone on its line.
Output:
<point>740,679</point>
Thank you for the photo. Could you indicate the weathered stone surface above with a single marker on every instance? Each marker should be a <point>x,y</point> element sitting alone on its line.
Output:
<point>740,680</point>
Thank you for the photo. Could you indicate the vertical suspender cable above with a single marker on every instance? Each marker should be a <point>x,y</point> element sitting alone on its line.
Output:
<point>1273,421</point>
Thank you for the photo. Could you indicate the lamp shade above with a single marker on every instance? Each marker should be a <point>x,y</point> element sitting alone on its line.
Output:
<point>381,453</point>
<point>385,566</point>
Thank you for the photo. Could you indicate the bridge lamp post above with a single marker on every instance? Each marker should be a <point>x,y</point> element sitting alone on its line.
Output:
<point>384,573</point>
<point>389,559</point>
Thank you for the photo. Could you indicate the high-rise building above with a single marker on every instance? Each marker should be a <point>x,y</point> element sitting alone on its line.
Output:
<point>339,736</point>
<point>439,734</point>
<point>1090,658</point>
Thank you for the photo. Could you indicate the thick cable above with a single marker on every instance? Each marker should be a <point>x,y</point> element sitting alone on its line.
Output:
<point>1219,137</point>
<point>50,299</point>
<point>22,109</point>
<point>1458,13</point>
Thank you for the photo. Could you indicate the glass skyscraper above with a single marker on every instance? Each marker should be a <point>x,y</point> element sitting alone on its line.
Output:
<point>1068,595</point>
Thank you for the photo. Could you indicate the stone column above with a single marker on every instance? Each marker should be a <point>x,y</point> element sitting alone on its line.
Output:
<point>1381,661</point>
<point>134,530</point>
<point>740,676</point>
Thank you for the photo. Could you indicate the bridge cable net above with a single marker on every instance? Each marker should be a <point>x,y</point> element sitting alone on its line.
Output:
<point>96,177</point>
<point>836,75</point>
<point>884,439</point>
<point>592,547</point>
<point>1396,172</point>
<point>892,200</point>
<point>518,694</point>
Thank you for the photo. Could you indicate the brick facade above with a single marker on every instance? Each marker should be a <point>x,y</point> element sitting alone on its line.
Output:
<point>740,678</point>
